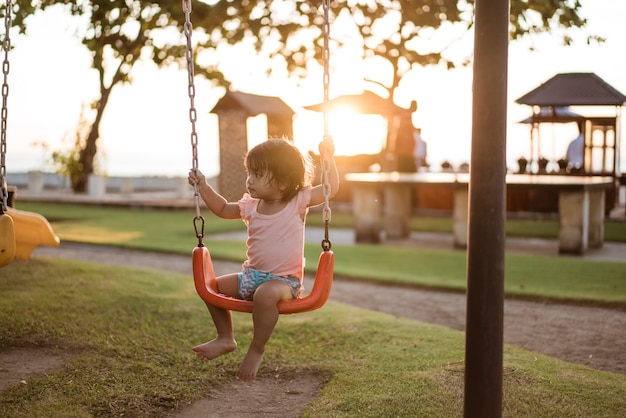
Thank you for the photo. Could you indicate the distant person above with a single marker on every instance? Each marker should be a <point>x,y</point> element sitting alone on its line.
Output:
<point>405,141</point>
<point>274,210</point>
<point>575,150</point>
<point>421,149</point>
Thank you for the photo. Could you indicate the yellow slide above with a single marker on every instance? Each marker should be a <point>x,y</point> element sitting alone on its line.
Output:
<point>31,231</point>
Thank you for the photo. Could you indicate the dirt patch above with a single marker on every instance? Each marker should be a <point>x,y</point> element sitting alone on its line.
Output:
<point>19,365</point>
<point>269,396</point>
<point>265,397</point>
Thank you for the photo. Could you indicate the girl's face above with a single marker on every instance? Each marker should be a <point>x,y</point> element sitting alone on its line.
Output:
<point>260,187</point>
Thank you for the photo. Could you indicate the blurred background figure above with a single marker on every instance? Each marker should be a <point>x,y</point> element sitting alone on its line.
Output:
<point>421,149</point>
<point>575,149</point>
<point>404,144</point>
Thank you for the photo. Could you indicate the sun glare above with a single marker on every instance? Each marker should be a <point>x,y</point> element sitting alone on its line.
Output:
<point>356,133</point>
<point>352,133</point>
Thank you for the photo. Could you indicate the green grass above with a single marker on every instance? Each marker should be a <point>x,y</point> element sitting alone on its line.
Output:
<point>557,278</point>
<point>127,335</point>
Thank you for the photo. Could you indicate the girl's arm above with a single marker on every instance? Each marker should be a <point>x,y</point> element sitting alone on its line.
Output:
<point>215,201</point>
<point>327,152</point>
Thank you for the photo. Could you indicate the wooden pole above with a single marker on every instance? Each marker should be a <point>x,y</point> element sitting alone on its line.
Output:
<point>485,265</point>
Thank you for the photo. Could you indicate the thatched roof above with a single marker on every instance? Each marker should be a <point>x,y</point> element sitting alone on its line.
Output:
<point>582,89</point>
<point>253,104</point>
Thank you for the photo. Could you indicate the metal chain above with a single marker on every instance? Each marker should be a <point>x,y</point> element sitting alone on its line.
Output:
<point>326,213</point>
<point>191,91</point>
<point>6,45</point>
<point>326,244</point>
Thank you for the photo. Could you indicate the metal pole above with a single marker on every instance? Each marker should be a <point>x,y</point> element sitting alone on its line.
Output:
<point>487,192</point>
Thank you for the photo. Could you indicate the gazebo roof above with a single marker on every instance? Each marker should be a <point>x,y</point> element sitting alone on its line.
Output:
<point>367,103</point>
<point>583,89</point>
<point>253,104</point>
<point>554,114</point>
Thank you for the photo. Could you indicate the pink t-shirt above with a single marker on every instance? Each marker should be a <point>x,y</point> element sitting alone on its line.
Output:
<point>276,242</point>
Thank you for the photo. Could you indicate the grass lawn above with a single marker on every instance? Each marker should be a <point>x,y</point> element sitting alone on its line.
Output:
<point>557,278</point>
<point>129,331</point>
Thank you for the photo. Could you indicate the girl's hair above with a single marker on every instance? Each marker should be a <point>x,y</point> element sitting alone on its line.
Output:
<point>285,165</point>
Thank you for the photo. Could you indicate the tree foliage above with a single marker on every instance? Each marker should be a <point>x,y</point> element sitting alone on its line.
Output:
<point>118,33</point>
<point>396,31</point>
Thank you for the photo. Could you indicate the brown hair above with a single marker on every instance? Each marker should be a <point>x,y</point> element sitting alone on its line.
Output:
<point>285,165</point>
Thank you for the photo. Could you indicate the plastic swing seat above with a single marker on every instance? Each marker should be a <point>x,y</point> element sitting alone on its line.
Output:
<point>7,240</point>
<point>203,272</point>
<point>206,286</point>
<point>31,231</point>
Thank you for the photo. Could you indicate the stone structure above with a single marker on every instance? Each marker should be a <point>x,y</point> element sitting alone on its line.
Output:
<point>601,138</point>
<point>233,110</point>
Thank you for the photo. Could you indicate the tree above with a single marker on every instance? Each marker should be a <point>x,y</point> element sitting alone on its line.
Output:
<point>397,31</point>
<point>121,32</point>
<point>118,34</point>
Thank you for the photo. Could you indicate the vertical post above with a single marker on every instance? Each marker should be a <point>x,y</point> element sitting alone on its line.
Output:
<point>487,192</point>
<point>459,217</point>
<point>595,234</point>
<point>366,207</point>
<point>573,221</point>
<point>397,203</point>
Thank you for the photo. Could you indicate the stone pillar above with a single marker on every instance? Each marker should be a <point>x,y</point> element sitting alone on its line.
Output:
<point>460,217</point>
<point>96,186</point>
<point>397,211</point>
<point>233,147</point>
<point>126,185</point>
<point>35,183</point>
<point>183,188</point>
<point>574,222</point>
<point>366,207</point>
<point>596,218</point>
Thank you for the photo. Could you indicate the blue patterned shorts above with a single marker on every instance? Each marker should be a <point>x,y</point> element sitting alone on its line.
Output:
<point>250,279</point>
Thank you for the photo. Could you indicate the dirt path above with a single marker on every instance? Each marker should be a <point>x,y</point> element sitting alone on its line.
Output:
<point>586,335</point>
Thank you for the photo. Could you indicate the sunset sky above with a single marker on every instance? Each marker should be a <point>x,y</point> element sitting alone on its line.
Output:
<point>146,131</point>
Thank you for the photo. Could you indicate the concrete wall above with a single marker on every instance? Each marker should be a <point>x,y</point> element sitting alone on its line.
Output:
<point>39,180</point>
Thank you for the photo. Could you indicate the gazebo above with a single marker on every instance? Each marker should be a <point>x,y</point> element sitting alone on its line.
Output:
<point>233,110</point>
<point>601,134</point>
<point>550,104</point>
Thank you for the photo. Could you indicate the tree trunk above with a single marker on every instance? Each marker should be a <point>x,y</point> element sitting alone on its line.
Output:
<point>88,153</point>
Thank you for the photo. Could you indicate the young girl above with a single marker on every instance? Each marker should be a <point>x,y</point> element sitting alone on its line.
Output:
<point>274,210</point>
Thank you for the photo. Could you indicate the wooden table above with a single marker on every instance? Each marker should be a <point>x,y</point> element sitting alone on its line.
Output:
<point>581,204</point>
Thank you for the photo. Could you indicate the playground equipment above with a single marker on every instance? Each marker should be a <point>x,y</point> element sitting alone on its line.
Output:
<point>204,274</point>
<point>31,231</point>
<point>20,232</point>
<point>7,239</point>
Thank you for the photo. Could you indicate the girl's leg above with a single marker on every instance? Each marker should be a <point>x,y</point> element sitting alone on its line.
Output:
<point>225,341</point>
<point>264,316</point>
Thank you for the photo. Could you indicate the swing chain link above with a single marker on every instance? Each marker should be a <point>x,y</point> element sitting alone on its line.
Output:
<point>6,46</point>
<point>325,165</point>
<point>193,117</point>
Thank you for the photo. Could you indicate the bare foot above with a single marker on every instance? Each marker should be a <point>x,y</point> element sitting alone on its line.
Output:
<point>250,366</point>
<point>215,348</point>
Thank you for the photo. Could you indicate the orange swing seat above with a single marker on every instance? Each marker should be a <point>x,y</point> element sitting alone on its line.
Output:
<point>206,286</point>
